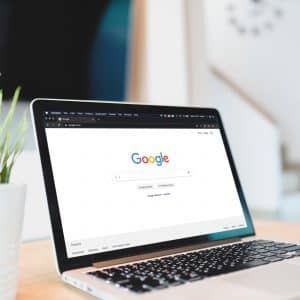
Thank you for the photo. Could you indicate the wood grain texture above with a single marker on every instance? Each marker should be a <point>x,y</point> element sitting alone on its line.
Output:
<point>38,278</point>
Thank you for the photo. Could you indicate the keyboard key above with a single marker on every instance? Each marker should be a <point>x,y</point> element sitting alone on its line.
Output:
<point>150,282</point>
<point>284,245</point>
<point>264,250</point>
<point>292,248</point>
<point>273,259</point>
<point>255,263</point>
<point>139,289</point>
<point>258,256</point>
<point>100,275</point>
<point>282,251</point>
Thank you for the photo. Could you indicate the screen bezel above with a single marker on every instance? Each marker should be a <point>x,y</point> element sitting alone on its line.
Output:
<point>39,106</point>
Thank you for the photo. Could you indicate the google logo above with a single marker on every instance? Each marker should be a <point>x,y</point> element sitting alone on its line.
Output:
<point>158,159</point>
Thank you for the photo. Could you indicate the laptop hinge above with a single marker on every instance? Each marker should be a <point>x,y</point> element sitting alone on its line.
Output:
<point>145,256</point>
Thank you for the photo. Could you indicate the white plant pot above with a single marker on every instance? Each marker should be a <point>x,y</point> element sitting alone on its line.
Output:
<point>12,200</point>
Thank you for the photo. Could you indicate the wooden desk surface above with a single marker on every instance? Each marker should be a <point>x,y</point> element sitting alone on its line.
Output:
<point>38,278</point>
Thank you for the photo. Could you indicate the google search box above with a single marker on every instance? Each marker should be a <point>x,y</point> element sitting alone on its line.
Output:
<point>153,175</point>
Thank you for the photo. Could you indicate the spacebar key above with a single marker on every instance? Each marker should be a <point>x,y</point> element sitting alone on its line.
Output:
<point>255,263</point>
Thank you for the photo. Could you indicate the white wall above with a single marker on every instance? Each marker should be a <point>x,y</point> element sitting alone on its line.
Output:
<point>254,140</point>
<point>265,65</point>
<point>197,62</point>
<point>255,144</point>
<point>165,59</point>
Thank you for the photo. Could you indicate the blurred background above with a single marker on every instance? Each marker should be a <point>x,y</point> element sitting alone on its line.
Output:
<point>240,56</point>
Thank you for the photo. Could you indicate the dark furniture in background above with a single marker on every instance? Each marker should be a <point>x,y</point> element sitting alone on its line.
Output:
<point>65,49</point>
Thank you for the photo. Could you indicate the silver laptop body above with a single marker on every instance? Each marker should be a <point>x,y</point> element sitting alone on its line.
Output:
<point>130,185</point>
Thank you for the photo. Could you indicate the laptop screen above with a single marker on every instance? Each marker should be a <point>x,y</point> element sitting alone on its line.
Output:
<point>130,179</point>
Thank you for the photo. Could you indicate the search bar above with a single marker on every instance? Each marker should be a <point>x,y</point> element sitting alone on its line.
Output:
<point>151,175</point>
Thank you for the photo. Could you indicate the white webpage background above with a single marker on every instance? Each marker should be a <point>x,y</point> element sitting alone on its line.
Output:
<point>92,203</point>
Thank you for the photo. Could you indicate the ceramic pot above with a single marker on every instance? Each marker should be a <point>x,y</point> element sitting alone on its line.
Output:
<point>12,200</point>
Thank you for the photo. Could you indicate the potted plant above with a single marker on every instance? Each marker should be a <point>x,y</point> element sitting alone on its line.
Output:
<point>12,198</point>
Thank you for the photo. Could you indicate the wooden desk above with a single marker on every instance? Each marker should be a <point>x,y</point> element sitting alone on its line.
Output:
<point>39,280</point>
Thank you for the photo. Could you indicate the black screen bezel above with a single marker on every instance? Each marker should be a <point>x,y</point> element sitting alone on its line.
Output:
<point>39,106</point>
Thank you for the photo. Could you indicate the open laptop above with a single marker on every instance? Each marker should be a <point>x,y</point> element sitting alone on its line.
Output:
<point>145,203</point>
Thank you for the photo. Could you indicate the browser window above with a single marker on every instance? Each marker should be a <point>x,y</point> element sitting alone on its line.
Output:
<point>125,180</point>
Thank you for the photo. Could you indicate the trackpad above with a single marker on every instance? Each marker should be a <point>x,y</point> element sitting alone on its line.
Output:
<point>278,279</point>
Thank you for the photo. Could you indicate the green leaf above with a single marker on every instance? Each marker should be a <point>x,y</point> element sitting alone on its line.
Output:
<point>11,143</point>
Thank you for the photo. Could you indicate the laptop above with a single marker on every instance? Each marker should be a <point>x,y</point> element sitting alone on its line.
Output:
<point>145,202</point>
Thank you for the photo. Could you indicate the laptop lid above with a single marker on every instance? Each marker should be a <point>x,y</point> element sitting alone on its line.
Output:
<point>126,179</point>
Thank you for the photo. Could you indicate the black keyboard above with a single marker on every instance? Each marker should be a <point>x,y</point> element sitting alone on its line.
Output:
<point>178,269</point>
